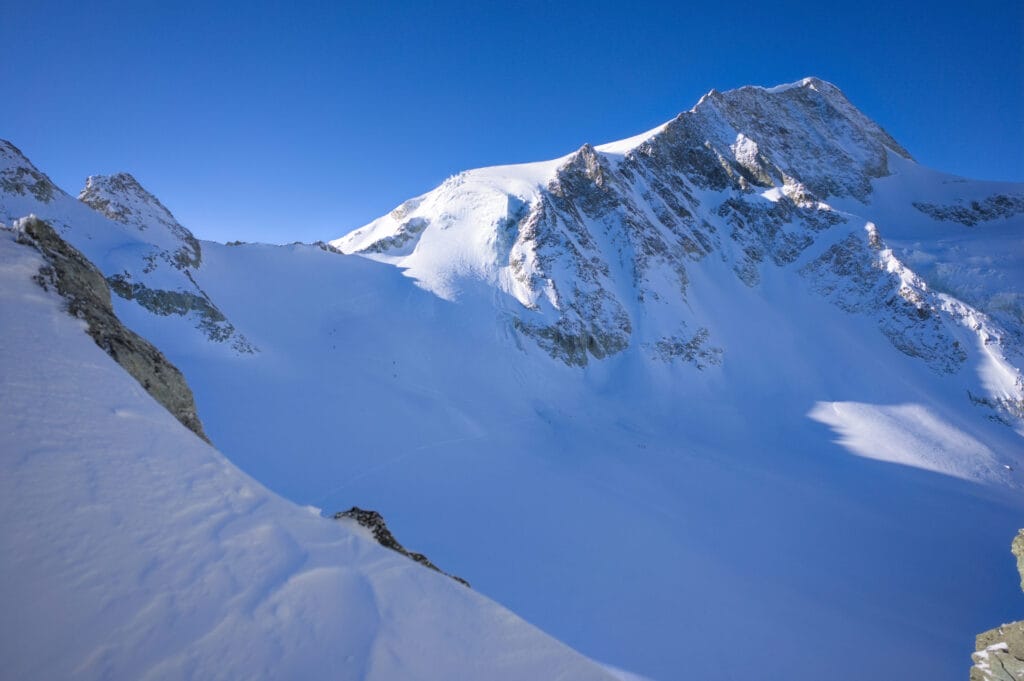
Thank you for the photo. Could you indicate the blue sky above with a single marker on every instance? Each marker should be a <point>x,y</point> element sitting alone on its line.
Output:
<point>272,122</point>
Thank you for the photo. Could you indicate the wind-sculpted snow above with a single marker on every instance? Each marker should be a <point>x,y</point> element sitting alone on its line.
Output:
<point>130,549</point>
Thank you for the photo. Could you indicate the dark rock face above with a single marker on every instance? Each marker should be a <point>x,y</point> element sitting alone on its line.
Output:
<point>999,652</point>
<point>209,319</point>
<point>694,350</point>
<point>374,522</point>
<point>970,214</point>
<point>88,297</point>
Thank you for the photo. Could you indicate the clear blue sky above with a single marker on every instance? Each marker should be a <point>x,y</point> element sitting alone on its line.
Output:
<point>274,122</point>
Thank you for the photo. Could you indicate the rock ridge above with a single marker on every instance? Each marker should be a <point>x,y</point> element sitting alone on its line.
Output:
<point>374,521</point>
<point>87,297</point>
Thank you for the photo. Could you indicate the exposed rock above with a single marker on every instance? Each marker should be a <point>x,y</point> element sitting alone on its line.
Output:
<point>1017,548</point>
<point>407,231</point>
<point>322,245</point>
<point>999,652</point>
<point>808,134</point>
<point>18,176</point>
<point>88,297</point>
<point>374,522</point>
<point>760,229</point>
<point>970,214</point>
<point>1005,410</point>
<point>121,198</point>
<point>694,350</point>
<point>209,318</point>
<point>573,340</point>
<point>860,275</point>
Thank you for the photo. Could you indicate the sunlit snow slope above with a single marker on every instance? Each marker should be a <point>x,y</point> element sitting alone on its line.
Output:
<point>130,549</point>
<point>740,393</point>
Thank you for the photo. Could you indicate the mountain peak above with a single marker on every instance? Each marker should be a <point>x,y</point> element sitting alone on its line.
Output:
<point>121,198</point>
<point>120,181</point>
<point>596,246</point>
<point>806,133</point>
<point>19,176</point>
<point>810,83</point>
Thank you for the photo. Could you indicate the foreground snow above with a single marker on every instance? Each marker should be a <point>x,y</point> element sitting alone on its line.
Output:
<point>131,549</point>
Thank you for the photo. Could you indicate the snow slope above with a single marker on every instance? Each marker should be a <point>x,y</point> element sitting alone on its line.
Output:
<point>722,384</point>
<point>131,549</point>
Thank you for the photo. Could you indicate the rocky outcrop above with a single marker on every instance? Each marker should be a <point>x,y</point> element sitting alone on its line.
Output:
<point>695,350</point>
<point>970,214</point>
<point>1017,548</point>
<point>406,232</point>
<point>999,652</point>
<point>374,522</point>
<point>208,317</point>
<point>860,275</point>
<point>322,245</point>
<point>88,297</point>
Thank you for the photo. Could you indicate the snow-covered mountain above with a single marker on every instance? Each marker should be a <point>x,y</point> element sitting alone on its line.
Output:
<point>148,256</point>
<point>752,377</point>
<point>594,251</point>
